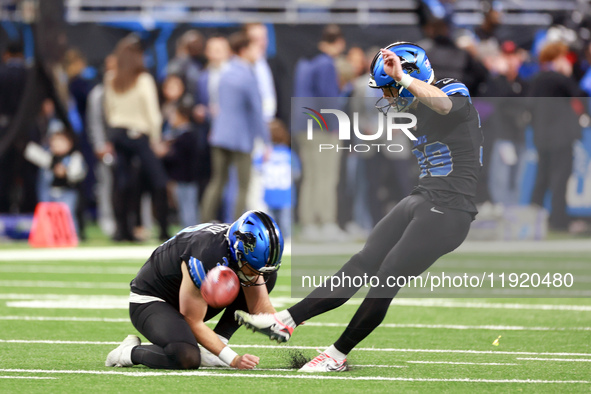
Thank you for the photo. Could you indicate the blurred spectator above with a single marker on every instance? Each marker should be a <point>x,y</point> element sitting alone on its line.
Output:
<point>435,9</point>
<point>450,60</point>
<point>181,160</point>
<point>257,33</point>
<point>79,87</point>
<point>358,61</point>
<point>62,168</point>
<point>503,65</point>
<point>346,75</point>
<point>173,89</point>
<point>188,62</point>
<point>348,189</point>
<point>96,127</point>
<point>555,127</point>
<point>134,119</point>
<point>490,23</point>
<point>318,195</point>
<point>13,73</point>
<point>217,52</point>
<point>279,173</point>
<point>505,128</point>
<point>586,80</point>
<point>234,129</point>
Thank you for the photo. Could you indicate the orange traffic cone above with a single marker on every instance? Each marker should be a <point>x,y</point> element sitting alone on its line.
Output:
<point>53,226</point>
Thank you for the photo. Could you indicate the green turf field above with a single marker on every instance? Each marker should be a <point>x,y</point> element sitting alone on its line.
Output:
<point>60,318</point>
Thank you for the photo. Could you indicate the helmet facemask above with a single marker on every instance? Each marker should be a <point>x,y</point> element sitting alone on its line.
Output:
<point>396,101</point>
<point>247,280</point>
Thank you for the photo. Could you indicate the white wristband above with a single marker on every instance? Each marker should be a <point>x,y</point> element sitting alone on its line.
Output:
<point>405,81</point>
<point>227,355</point>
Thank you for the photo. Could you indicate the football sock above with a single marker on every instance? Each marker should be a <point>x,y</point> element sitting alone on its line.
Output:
<point>335,353</point>
<point>286,318</point>
<point>370,314</point>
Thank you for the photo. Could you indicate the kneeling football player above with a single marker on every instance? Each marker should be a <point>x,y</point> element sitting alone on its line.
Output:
<point>166,304</point>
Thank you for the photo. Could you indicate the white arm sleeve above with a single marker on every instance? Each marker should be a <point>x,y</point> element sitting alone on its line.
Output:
<point>37,155</point>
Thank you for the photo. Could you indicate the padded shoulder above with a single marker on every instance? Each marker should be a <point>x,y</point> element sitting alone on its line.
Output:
<point>452,87</point>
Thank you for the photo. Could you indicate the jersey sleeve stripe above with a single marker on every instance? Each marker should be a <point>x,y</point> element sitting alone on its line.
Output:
<point>453,85</point>
<point>455,88</point>
<point>196,271</point>
<point>463,91</point>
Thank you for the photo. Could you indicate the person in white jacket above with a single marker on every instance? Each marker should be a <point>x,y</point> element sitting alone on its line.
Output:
<point>62,168</point>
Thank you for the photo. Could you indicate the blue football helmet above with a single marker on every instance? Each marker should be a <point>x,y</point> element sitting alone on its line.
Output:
<point>256,242</point>
<point>414,62</point>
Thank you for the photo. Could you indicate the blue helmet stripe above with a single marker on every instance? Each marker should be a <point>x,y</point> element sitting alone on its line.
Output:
<point>197,271</point>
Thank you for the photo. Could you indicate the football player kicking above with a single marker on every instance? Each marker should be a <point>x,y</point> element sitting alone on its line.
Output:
<point>432,221</point>
<point>166,305</point>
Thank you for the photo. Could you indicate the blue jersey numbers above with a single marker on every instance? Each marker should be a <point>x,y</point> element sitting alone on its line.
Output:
<point>434,159</point>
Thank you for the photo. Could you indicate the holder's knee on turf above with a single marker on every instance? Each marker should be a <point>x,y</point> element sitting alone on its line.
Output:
<point>183,355</point>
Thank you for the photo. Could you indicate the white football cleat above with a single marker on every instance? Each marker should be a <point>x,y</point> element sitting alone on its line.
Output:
<point>267,324</point>
<point>121,356</point>
<point>324,363</point>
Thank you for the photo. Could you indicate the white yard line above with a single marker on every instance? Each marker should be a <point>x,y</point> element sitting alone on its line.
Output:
<point>89,255</point>
<point>63,285</point>
<point>26,377</point>
<point>457,327</point>
<point>446,303</point>
<point>75,301</point>
<point>45,296</point>
<point>58,269</point>
<point>292,370</point>
<point>576,360</point>
<point>377,366</point>
<point>457,363</point>
<point>86,285</point>
<point>54,342</point>
<point>65,301</point>
<point>68,319</point>
<point>59,342</point>
<point>255,375</point>
<point>315,324</point>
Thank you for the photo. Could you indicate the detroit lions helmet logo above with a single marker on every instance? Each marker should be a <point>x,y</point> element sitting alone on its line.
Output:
<point>410,65</point>
<point>249,241</point>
